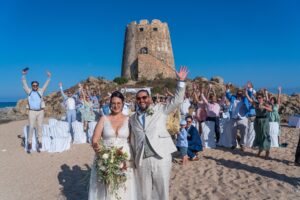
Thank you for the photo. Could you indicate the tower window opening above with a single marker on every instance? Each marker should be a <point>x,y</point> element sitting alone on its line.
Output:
<point>155,29</point>
<point>141,29</point>
<point>144,50</point>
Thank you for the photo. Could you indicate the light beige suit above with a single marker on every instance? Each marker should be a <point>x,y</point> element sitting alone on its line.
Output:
<point>154,172</point>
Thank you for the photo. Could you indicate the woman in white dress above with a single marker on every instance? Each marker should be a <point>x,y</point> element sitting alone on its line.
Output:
<point>113,130</point>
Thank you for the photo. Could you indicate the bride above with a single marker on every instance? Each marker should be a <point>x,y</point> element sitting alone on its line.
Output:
<point>113,130</point>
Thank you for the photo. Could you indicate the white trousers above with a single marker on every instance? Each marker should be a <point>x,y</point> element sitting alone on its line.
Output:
<point>236,125</point>
<point>154,177</point>
<point>274,133</point>
<point>250,135</point>
<point>35,120</point>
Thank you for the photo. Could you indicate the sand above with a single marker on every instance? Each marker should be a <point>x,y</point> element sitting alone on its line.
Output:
<point>220,173</point>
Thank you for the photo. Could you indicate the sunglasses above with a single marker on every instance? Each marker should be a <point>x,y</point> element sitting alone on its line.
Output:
<point>140,98</point>
<point>35,85</point>
<point>188,121</point>
<point>259,97</point>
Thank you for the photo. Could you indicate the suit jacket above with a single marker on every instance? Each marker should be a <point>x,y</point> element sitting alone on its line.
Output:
<point>194,137</point>
<point>155,128</point>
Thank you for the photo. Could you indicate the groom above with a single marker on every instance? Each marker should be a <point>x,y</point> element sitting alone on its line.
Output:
<point>152,143</point>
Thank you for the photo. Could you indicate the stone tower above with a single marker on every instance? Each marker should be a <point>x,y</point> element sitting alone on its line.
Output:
<point>147,51</point>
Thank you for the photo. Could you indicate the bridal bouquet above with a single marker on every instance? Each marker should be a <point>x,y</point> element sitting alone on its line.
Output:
<point>111,168</point>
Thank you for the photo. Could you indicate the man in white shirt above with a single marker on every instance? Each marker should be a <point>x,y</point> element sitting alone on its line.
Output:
<point>70,105</point>
<point>238,116</point>
<point>184,107</point>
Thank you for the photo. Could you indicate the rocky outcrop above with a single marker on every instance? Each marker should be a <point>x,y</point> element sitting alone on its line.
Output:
<point>217,79</point>
<point>10,114</point>
<point>290,105</point>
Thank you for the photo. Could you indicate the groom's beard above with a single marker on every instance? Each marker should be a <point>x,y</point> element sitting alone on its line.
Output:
<point>143,109</point>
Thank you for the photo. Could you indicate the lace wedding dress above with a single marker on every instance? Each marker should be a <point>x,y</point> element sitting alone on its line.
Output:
<point>97,190</point>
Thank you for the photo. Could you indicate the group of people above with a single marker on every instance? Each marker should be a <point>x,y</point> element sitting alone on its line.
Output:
<point>148,143</point>
<point>255,115</point>
<point>144,135</point>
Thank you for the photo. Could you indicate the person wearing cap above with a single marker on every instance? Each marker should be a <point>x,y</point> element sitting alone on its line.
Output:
<point>182,143</point>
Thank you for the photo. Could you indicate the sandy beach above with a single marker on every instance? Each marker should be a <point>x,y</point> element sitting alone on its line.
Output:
<point>220,173</point>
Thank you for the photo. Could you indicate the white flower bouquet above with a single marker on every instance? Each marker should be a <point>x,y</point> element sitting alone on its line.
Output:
<point>111,168</point>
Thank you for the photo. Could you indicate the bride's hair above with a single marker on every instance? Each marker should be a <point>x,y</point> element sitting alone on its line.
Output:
<point>117,94</point>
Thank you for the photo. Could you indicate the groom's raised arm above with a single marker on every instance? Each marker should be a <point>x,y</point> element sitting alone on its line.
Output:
<point>179,93</point>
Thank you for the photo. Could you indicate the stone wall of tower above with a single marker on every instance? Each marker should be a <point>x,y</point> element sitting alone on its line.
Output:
<point>152,40</point>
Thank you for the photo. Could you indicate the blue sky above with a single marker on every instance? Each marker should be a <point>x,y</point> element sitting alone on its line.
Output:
<point>239,40</point>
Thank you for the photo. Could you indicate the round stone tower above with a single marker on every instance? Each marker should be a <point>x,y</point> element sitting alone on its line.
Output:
<point>148,51</point>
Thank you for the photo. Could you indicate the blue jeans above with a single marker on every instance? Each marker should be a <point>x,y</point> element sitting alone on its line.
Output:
<point>71,117</point>
<point>191,151</point>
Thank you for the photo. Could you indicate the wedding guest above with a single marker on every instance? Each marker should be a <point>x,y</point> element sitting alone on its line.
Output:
<point>194,140</point>
<point>225,128</point>
<point>201,114</point>
<point>168,95</point>
<point>95,99</point>
<point>250,134</point>
<point>70,104</point>
<point>79,107</point>
<point>184,106</point>
<point>182,143</point>
<point>36,107</point>
<point>274,118</point>
<point>213,112</point>
<point>87,112</point>
<point>250,88</point>
<point>261,124</point>
<point>104,108</point>
<point>224,108</point>
<point>126,108</point>
<point>154,100</point>
<point>238,115</point>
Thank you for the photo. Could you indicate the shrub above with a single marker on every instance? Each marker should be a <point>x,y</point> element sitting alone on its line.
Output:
<point>120,80</point>
<point>156,90</point>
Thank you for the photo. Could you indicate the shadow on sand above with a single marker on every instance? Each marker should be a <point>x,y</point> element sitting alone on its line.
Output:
<point>74,181</point>
<point>256,170</point>
<point>250,154</point>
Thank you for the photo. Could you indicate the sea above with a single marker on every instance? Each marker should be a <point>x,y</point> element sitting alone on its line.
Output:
<point>7,104</point>
<point>288,91</point>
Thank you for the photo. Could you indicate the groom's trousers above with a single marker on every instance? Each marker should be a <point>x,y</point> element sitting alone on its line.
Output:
<point>154,177</point>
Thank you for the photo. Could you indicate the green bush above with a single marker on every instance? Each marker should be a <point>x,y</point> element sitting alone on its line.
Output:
<point>143,82</point>
<point>120,80</point>
<point>156,90</point>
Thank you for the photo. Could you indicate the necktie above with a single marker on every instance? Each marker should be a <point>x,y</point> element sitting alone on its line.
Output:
<point>143,120</point>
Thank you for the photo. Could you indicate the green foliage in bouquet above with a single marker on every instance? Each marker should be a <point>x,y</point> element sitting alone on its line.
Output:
<point>111,168</point>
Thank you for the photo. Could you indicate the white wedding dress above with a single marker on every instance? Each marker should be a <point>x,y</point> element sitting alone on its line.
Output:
<point>97,190</point>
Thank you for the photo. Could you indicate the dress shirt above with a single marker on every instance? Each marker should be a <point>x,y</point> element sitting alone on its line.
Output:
<point>212,109</point>
<point>34,100</point>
